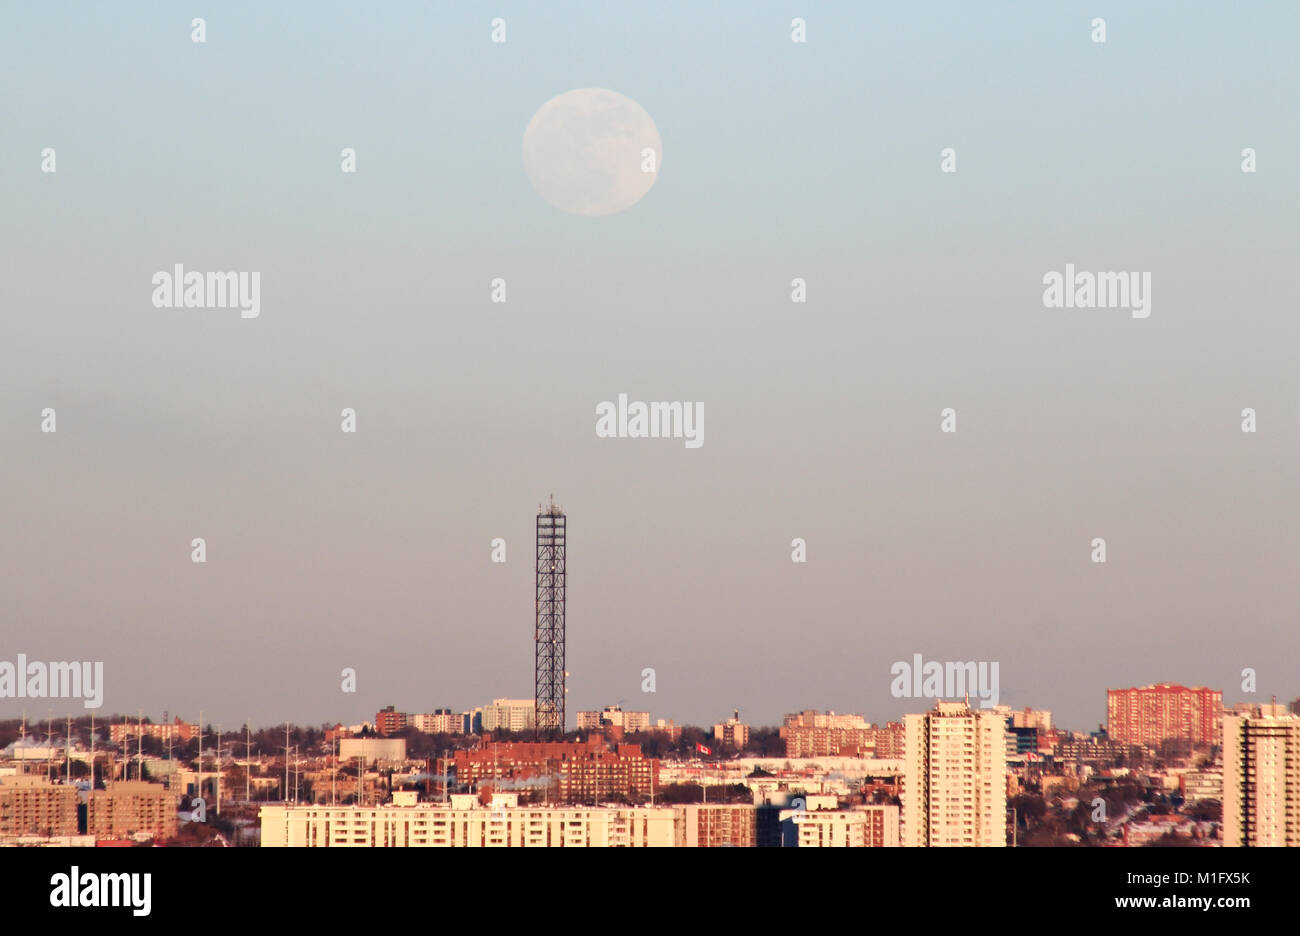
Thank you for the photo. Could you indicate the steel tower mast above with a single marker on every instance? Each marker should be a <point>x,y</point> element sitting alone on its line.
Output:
<point>549,673</point>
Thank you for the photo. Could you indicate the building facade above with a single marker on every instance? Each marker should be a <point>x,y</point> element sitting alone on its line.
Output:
<point>439,721</point>
<point>31,805</point>
<point>954,781</point>
<point>1150,715</point>
<point>569,772</point>
<point>719,825</point>
<point>178,731</point>
<point>816,734</point>
<point>1197,785</point>
<point>509,715</point>
<point>614,716</point>
<point>389,721</point>
<point>1261,778</point>
<point>733,732</point>
<point>860,827</point>
<point>371,750</point>
<point>466,823</point>
<point>132,807</point>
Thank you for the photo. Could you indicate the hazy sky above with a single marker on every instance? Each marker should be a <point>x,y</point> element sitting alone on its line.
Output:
<point>780,160</point>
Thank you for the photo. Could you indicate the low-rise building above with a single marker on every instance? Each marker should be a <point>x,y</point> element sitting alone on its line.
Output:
<point>465,822</point>
<point>371,750</point>
<point>1202,785</point>
<point>859,827</point>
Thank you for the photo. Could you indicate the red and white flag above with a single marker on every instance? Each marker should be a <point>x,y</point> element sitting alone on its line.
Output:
<point>702,749</point>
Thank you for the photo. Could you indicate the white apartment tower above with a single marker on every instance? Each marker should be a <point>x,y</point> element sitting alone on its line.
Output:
<point>955,778</point>
<point>1261,777</point>
<point>510,715</point>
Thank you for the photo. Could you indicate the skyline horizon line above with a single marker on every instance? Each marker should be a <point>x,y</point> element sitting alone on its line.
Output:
<point>208,725</point>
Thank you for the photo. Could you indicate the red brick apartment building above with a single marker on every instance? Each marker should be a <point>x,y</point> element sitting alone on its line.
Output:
<point>564,772</point>
<point>1152,714</point>
<point>176,731</point>
<point>722,825</point>
<point>389,721</point>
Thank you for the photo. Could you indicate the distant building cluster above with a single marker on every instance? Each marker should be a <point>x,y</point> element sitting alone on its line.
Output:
<point>812,734</point>
<point>615,722</point>
<point>516,716</point>
<point>501,715</point>
<point>389,721</point>
<point>39,807</point>
<point>1171,764</point>
<point>177,731</point>
<point>613,716</point>
<point>469,821</point>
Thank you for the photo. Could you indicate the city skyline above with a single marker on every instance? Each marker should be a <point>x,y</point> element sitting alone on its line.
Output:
<point>950,776</point>
<point>1129,730</point>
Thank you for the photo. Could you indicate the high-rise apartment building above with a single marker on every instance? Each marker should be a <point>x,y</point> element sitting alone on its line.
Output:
<point>1152,714</point>
<point>732,731</point>
<point>509,715</point>
<point>389,721</point>
<point>1261,778</point>
<point>439,721</point>
<point>954,781</point>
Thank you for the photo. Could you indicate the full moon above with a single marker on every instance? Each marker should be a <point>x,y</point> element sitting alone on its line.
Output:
<point>592,152</point>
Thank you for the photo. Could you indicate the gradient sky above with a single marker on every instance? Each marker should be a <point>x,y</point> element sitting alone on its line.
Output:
<point>821,160</point>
